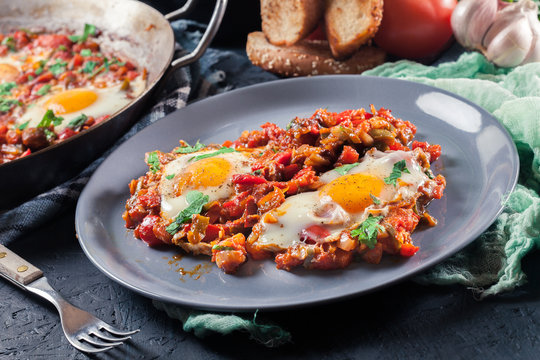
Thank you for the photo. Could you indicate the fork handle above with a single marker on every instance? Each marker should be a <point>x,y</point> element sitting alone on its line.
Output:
<point>16,269</point>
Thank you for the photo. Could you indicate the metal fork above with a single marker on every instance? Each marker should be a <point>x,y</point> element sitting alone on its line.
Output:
<point>83,330</point>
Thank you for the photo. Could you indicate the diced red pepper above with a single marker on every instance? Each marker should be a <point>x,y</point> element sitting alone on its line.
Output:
<point>145,231</point>
<point>408,250</point>
<point>283,157</point>
<point>348,156</point>
<point>313,234</point>
<point>212,233</point>
<point>290,170</point>
<point>248,179</point>
<point>66,133</point>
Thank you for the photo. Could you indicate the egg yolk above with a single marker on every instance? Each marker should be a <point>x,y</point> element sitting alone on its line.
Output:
<point>203,173</point>
<point>8,73</point>
<point>70,101</point>
<point>353,192</point>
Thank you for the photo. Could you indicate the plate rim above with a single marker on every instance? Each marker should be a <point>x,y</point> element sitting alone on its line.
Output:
<point>318,301</point>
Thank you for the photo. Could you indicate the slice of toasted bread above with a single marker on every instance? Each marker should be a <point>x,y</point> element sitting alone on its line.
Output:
<point>308,57</point>
<point>285,22</point>
<point>349,24</point>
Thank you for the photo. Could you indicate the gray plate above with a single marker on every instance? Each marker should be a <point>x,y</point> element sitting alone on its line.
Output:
<point>479,161</point>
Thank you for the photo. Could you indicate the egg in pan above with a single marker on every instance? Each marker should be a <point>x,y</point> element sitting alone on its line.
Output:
<point>88,100</point>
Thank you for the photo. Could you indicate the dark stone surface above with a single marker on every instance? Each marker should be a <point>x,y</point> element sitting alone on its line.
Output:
<point>405,321</point>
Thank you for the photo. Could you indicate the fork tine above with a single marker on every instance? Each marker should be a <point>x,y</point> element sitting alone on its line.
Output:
<point>98,342</point>
<point>104,336</point>
<point>87,348</point>
<point>115,331</point>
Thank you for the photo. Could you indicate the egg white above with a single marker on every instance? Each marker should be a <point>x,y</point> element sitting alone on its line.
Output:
<point>172,203</point>
<point>109,100</point>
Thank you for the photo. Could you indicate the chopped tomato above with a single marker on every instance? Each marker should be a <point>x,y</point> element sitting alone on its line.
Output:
<point>348,155</point>
<point>145,231</point>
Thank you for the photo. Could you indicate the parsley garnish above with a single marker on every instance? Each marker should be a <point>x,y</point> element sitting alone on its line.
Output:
<point>39,70</point>
<point>342,170</point>
<point>196,200</point>
<point>399,168</point>
<point>5,88</point>
<point>86,52</point>
<point>43,90</point>
<point>169,177</point>
<point>222,248</point>
<point>7,104</point>
<point>58,68</point>
<point>223,150</point>
<point>49,118</point>
<point>153,161</point>
<point>375,199</point>
<point>62,48</point>
<point>88,30</point>
<point>78,121</point>
<point>367,231</point>
<point>189,149</point>
<point>24,125</point>
<point>429,174</point>
<point>89,66</point>
<point>9,42</point>
<point>49,134</point>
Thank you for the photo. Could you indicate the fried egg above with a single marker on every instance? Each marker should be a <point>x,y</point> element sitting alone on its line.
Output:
<point>211,176</point>
<point>343,201</point>
<point>88,100</point>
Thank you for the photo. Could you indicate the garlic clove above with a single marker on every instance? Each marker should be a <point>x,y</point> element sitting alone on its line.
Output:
<point>509,39</point>
<point>534,52</point>
<point>471,19</point>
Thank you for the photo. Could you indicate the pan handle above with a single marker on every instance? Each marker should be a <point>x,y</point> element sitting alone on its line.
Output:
<point>208,36</point>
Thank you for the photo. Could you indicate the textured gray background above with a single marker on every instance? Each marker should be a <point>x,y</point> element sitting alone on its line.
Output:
<point>405,321</point>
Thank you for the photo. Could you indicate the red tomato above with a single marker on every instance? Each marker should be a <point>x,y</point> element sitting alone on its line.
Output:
<point>416,29</point>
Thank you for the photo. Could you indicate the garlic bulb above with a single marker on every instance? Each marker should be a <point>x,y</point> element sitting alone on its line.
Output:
<point>508,34</point>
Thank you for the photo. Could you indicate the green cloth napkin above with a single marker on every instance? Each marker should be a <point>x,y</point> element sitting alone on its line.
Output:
<point>492,263</point>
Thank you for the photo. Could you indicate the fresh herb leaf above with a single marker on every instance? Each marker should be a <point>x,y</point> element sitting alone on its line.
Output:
<point>375,199</point>
<point>58,68</point>
<point>23,125</point>
<point>169,177</point>
<point>7,104</point>
<point>86,52</point>
<point>223,150</point>
<point>399,168</point>
<point>62,48</point>
<point>429,174</point>
<point>49,134</point>
<point>367,231</point>
<point>43,90</point>
<point>153,161</point>
<point>78,121</point>
<point>222,248</point>
<point>49,118</point>
<point>9,41</point>
<point>342,170</point>
<point>257,172</point>
<point>189,149</point>
<point>89,29</point>
<point>30,78</point>
<point>196,201</point>
<point>5,88</point>
<point>89,67</point>
<point>41,67</point>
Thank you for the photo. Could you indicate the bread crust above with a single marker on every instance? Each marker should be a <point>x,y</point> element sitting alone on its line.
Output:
<point>285,22</point>
<point>349,24</point>
<point>308,57</point>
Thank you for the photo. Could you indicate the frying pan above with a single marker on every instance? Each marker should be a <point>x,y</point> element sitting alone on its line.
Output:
<point>130,29</point>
